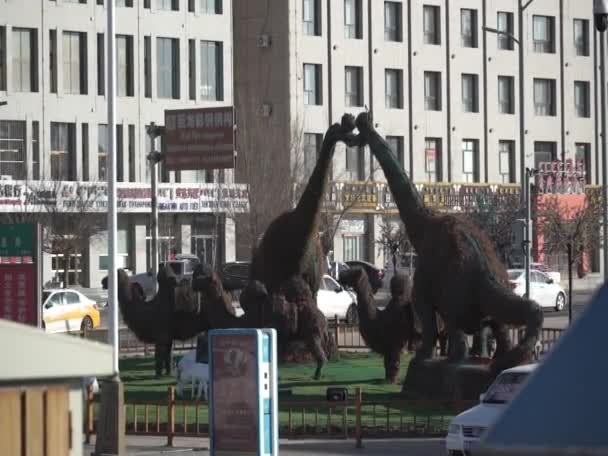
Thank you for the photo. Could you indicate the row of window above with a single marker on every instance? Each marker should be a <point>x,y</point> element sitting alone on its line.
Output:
<point>543,26</point>
<point>74,66</point>
<point>204,6</point>
<point>544,91</point>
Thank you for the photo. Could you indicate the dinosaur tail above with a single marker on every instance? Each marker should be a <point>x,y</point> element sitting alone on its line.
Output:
<point>502,305</point>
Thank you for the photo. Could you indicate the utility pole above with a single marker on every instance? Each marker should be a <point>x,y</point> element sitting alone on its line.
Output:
<point>154,157</point>
<point>522,110</point>
<point>528,230</point>
<point>600,12</point>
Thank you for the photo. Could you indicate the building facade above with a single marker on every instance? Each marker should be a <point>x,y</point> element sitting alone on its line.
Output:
<point>170,54</point>
<point>443,91</point>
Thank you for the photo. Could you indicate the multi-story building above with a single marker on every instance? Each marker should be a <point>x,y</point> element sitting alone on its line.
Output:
<point>171,54</point>
<point>443,90</point>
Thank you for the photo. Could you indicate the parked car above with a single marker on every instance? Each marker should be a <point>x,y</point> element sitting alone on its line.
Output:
<point>336,268</point>
<point>466,429</point>
<point>555,275</point>
<point>182,268</point>
<point>234,275</point>
<point>376,275</point>
<point>543,289</point>
<point>333,299</point>
<point>68,310</point>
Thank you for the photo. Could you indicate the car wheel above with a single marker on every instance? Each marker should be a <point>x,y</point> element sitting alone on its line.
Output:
<point>86,325</point>
<point>560,302</point>
<point>352,317</point>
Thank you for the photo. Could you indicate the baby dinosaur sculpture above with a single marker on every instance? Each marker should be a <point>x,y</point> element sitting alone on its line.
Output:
<point>458,274</point>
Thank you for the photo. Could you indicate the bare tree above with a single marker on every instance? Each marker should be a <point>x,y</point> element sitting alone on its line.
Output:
<point>570,227</point>
<point>393,239</point>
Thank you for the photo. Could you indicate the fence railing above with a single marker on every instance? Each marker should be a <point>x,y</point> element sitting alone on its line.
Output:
<point>358,417</point>
<point>347,337</point>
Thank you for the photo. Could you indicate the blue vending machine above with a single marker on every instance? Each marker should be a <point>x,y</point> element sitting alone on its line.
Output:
<point>243,405</point>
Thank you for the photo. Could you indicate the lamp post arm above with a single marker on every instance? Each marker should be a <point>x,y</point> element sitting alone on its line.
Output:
<point>500,32</point>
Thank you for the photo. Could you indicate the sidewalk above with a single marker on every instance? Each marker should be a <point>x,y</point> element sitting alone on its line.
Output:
<point>192,446</point>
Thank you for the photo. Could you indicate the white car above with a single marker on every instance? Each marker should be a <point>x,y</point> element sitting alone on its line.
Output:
<point>543,289</point>
<point>466,429</point>
<point>333,299</point>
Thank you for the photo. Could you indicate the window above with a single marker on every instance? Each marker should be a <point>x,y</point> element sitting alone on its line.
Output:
<point>25,58</point>
<point>432,159</point>
<point>2,58</point>
<point>124,65</point>
<point>311,12</point>
<point>432,91</point>
<point>468,28</point>
<point>132,159</point>
<point>13,149</point>
<point>192,69</point>
<point>102,152</point>
<point>544,34</point>
<point>35,150</point>
<point>506,89</point>
<point>353,27</point>
<point>354,86</point>
<point>167,5</point>
<point>120,155</point>
<point>53,60</point>
<point>167,67</point>
<point>393,81</point>
<point>74,63</point>
<point>544,97</point>
<point>101,64</point>
<point>63,140</point>
<point>581,37</point>
<point>583,156</point>
<point>212,70</point>
<point>544,152</point>
<point>396,145</point>
<point>506,152</point>
<point>147,66</point>
<point>210,6</point>
<point>392,21</point>
<point>312,84</point>
<point>353,164</point>
<point>470,95</point>
<point>312,147</point>
<point>84,147</point>
<point>431,23</point>
<point>581,98</point>
<point>470,160</point>
<point>352,247</point>
<point>505,24</point>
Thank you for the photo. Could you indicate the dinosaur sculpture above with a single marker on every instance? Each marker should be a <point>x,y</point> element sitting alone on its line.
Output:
<point>387,331</point>
<point>458,274</point>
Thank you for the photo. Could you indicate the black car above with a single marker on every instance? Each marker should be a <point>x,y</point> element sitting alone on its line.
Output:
<point>234,275</point>
<point>375,275</point>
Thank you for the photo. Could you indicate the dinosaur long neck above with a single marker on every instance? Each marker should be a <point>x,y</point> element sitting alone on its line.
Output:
<point>366,306</point>
<point>409,202</point>
<point>308,209</point>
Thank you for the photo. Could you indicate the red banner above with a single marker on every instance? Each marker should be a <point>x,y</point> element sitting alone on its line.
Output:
<point>235,394</point>
<point>18,293</point>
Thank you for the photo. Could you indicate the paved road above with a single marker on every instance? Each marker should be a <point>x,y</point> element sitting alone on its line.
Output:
<point>153,446</point>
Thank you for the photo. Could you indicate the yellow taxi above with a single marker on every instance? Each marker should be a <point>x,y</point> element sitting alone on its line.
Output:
<point>68,310</point>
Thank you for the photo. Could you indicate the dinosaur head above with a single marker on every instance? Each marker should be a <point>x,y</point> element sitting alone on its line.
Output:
<point>364,124</point>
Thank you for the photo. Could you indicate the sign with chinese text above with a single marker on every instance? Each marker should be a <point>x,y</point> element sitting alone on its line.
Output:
<point>17,240</point>
<point>84,197</point>
<point>199,138</point>
<point>561,177</point>
<point>18,293</point>
<point>235,394</point>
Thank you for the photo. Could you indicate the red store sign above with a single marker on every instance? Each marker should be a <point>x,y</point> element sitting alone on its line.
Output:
<point>18,293</point>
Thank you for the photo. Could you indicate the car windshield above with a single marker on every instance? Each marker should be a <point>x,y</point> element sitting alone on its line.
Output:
<point>45,295</point>
<point>505,388</point>
<point>514,274</point>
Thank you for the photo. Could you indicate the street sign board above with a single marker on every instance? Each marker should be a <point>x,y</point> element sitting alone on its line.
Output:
<point>17,240</point>
<point>199,138</point>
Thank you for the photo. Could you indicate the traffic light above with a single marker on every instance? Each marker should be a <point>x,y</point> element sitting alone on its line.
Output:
<point>600,12</point>
<point>154,131</point>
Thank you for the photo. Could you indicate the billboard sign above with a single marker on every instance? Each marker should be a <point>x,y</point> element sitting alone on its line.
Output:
<point>199,138</point>
<point>18,293</point>
<point>17,240</point>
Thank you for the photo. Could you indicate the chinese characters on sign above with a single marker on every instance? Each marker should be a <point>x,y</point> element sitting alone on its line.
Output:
<point>560,177</point>
<point>199,138</point>
<point>235,394</point>
<point>17,240</point>
<point>17,293</point>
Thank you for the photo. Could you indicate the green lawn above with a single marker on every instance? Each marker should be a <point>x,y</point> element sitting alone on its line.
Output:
<point>302,405</point>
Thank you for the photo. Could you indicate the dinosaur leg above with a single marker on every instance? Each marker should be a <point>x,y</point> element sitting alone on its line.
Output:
<point>316,347</point>
<point>457,344</point>
<point>424,307</point>
<point>392,362</point>
<point>501,336</point>
<point>505,307</point>
<point>168,357</point>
